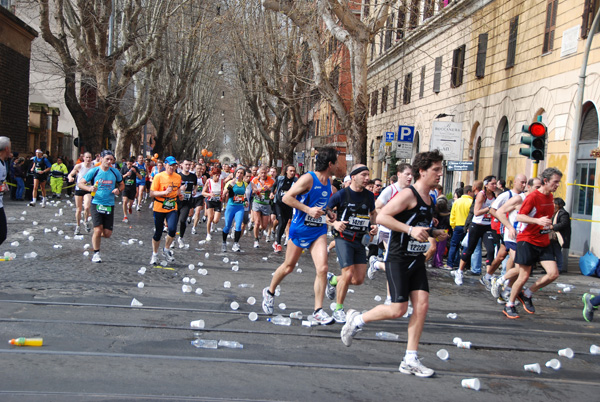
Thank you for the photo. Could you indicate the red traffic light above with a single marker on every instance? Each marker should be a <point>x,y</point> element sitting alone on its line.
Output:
<point>538,129</point>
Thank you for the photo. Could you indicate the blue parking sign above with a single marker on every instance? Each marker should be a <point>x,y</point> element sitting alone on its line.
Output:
<point>406,133</point>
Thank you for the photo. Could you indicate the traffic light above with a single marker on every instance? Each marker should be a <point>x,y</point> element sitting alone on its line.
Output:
<point>535,137</point>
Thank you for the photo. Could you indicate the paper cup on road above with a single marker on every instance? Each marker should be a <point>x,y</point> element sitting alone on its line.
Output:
<point>456,340</point>
<point>226,284</point>
<point>140,285</point>
<point>234,305</point>
<point>253,316</point>
<point>251,300</point>
<point>566,352</point>
<point>197,324</point>
<point>471,383</point>
<point>595,350</point>
<point>534,368</point>
<point>463,345</point>
<point>553,364</point>
<point>442,354</point>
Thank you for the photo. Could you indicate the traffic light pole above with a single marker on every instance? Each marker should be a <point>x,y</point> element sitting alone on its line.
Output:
<point>572,162</point>
<point>536,164</point>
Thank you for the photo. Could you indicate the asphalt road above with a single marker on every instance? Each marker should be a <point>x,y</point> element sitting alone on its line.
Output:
<point>97,347</point>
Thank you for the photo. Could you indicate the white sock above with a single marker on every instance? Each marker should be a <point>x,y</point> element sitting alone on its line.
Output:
<point>358,321</point>
<point>410,356</point>
<point>528,293</point>
<point>488,276</point>
<point>501,279</point>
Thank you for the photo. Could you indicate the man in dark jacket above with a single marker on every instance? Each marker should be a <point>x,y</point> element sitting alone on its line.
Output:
<point>561,239</point>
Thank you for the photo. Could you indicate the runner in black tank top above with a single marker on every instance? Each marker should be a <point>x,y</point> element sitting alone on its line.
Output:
<point>409,216</point>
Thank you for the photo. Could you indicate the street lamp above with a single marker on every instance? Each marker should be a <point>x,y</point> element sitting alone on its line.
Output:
<point>442,115</point>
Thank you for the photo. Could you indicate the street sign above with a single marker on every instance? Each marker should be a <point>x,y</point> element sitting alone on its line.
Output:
<point>406,137</point>
<point>446,136</point>
<point>406,133</point>
<point>460,166</point>
<point>348,157</point>
<point>389,137</point>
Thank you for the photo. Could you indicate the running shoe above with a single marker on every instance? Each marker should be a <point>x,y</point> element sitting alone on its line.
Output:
<point>279,248</point>
<point>96,257</point>
<point>189,220</point>
<point>446,267</point>
<point>130,209</point>
<point>330,291</point>
<point>204,219</point>
<point>125,220</point>
<point>349,330</point>
<point>154,259</point>
<point>372,267</point>
<point>268,301</point>
<point>139,208</point>
<point>505,294</point>
<point>416,368</point>
<point>194,230</point>
<point>495,289</point>
<point>43,204</point>
<point>208,237</point>
<point>458,276</point>
<point>321,317</point>
<point>486,282</point>
<point>339,316</point>
<point>527,303</point>
<point>31,204</point>
<point>180,242</point>
<point>77,230</point>
<point>588,309</point>
<point>510,312</point>
<point>235,247</point>
<point>388,301</point>
<point>256,245</point>
<point>168,254</point>
<point>224,247</point>
<point>275,247</point>
<point>285,242</point>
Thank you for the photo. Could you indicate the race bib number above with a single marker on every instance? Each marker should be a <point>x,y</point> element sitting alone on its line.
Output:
<point>169,204</point>
<point>417,247</point>
<point>129,182</point>
<point>358,221</point>
<point>487,218</point>
<point>38,170</point>
<point>187,195</point>
<point>239,199</point>
<point>314,222</point>
<point>545,230</point>
<point>104,209</point>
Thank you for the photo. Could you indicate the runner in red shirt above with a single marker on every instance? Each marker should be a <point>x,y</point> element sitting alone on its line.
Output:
<point>533,242</point>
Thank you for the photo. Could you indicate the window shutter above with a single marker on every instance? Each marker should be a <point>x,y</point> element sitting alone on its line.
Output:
<point>437,74</point>
<point>481,55</point>
<point>512,42</point>
<point>422,88</point>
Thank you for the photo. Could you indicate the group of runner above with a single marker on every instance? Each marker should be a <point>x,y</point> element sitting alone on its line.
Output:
<point>400,222</point>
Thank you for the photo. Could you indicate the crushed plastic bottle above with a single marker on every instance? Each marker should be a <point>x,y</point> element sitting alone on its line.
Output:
<point>226,284</point>
<point>33,254</point>
<point>15,244</point>
<point>388,336</point>
<point>57,246</point>
<point>280,320</point>
<point>206,255</point>
<point>142,270</point>
<point>78,237</point>
<point>230,344</point>
<point>26,233</point>
<point>61,232</point>
<point>246,285</point>
<point>200,264</point>
<point>205,343</point>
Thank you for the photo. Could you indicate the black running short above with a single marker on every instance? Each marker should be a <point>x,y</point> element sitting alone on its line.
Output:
<point>216,205</point>
<point>81,193</point>
<point>528,254</point>
<point>404,276</point>
<point>41,177</point>
<point>198,201</point>
<point>129,192</point>
<point>101,219</point>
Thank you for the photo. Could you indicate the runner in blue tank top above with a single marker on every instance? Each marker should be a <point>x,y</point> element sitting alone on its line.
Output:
<point>309,197</point>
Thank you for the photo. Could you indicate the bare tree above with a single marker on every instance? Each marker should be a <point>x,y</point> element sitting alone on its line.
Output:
<point>345,26</point>
<point>104,64</point>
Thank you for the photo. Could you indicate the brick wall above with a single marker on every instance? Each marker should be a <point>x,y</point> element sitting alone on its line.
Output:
<point>14,96</point>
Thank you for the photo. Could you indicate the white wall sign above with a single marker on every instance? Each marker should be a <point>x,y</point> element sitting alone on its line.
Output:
<point>446,136</point>
<point>569,41</point>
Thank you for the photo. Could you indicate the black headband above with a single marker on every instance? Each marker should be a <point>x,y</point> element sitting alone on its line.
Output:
<point>358,170</point>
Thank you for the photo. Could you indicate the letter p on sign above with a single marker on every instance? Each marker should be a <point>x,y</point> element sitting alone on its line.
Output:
<point>406,133</point>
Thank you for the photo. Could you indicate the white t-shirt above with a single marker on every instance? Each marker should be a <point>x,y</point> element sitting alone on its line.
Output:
<point>386,195</point>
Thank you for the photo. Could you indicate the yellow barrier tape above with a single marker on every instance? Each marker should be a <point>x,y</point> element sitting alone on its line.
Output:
<point>582,185</point>
<point>584,220</point>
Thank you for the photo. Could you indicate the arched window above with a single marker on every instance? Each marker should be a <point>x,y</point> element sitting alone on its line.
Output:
<point>416,147</point>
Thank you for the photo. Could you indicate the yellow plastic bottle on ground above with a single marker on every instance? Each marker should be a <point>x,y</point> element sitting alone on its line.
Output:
<point>26,341</point>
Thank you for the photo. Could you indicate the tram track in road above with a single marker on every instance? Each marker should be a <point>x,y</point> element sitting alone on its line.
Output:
<point>294,364</point>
